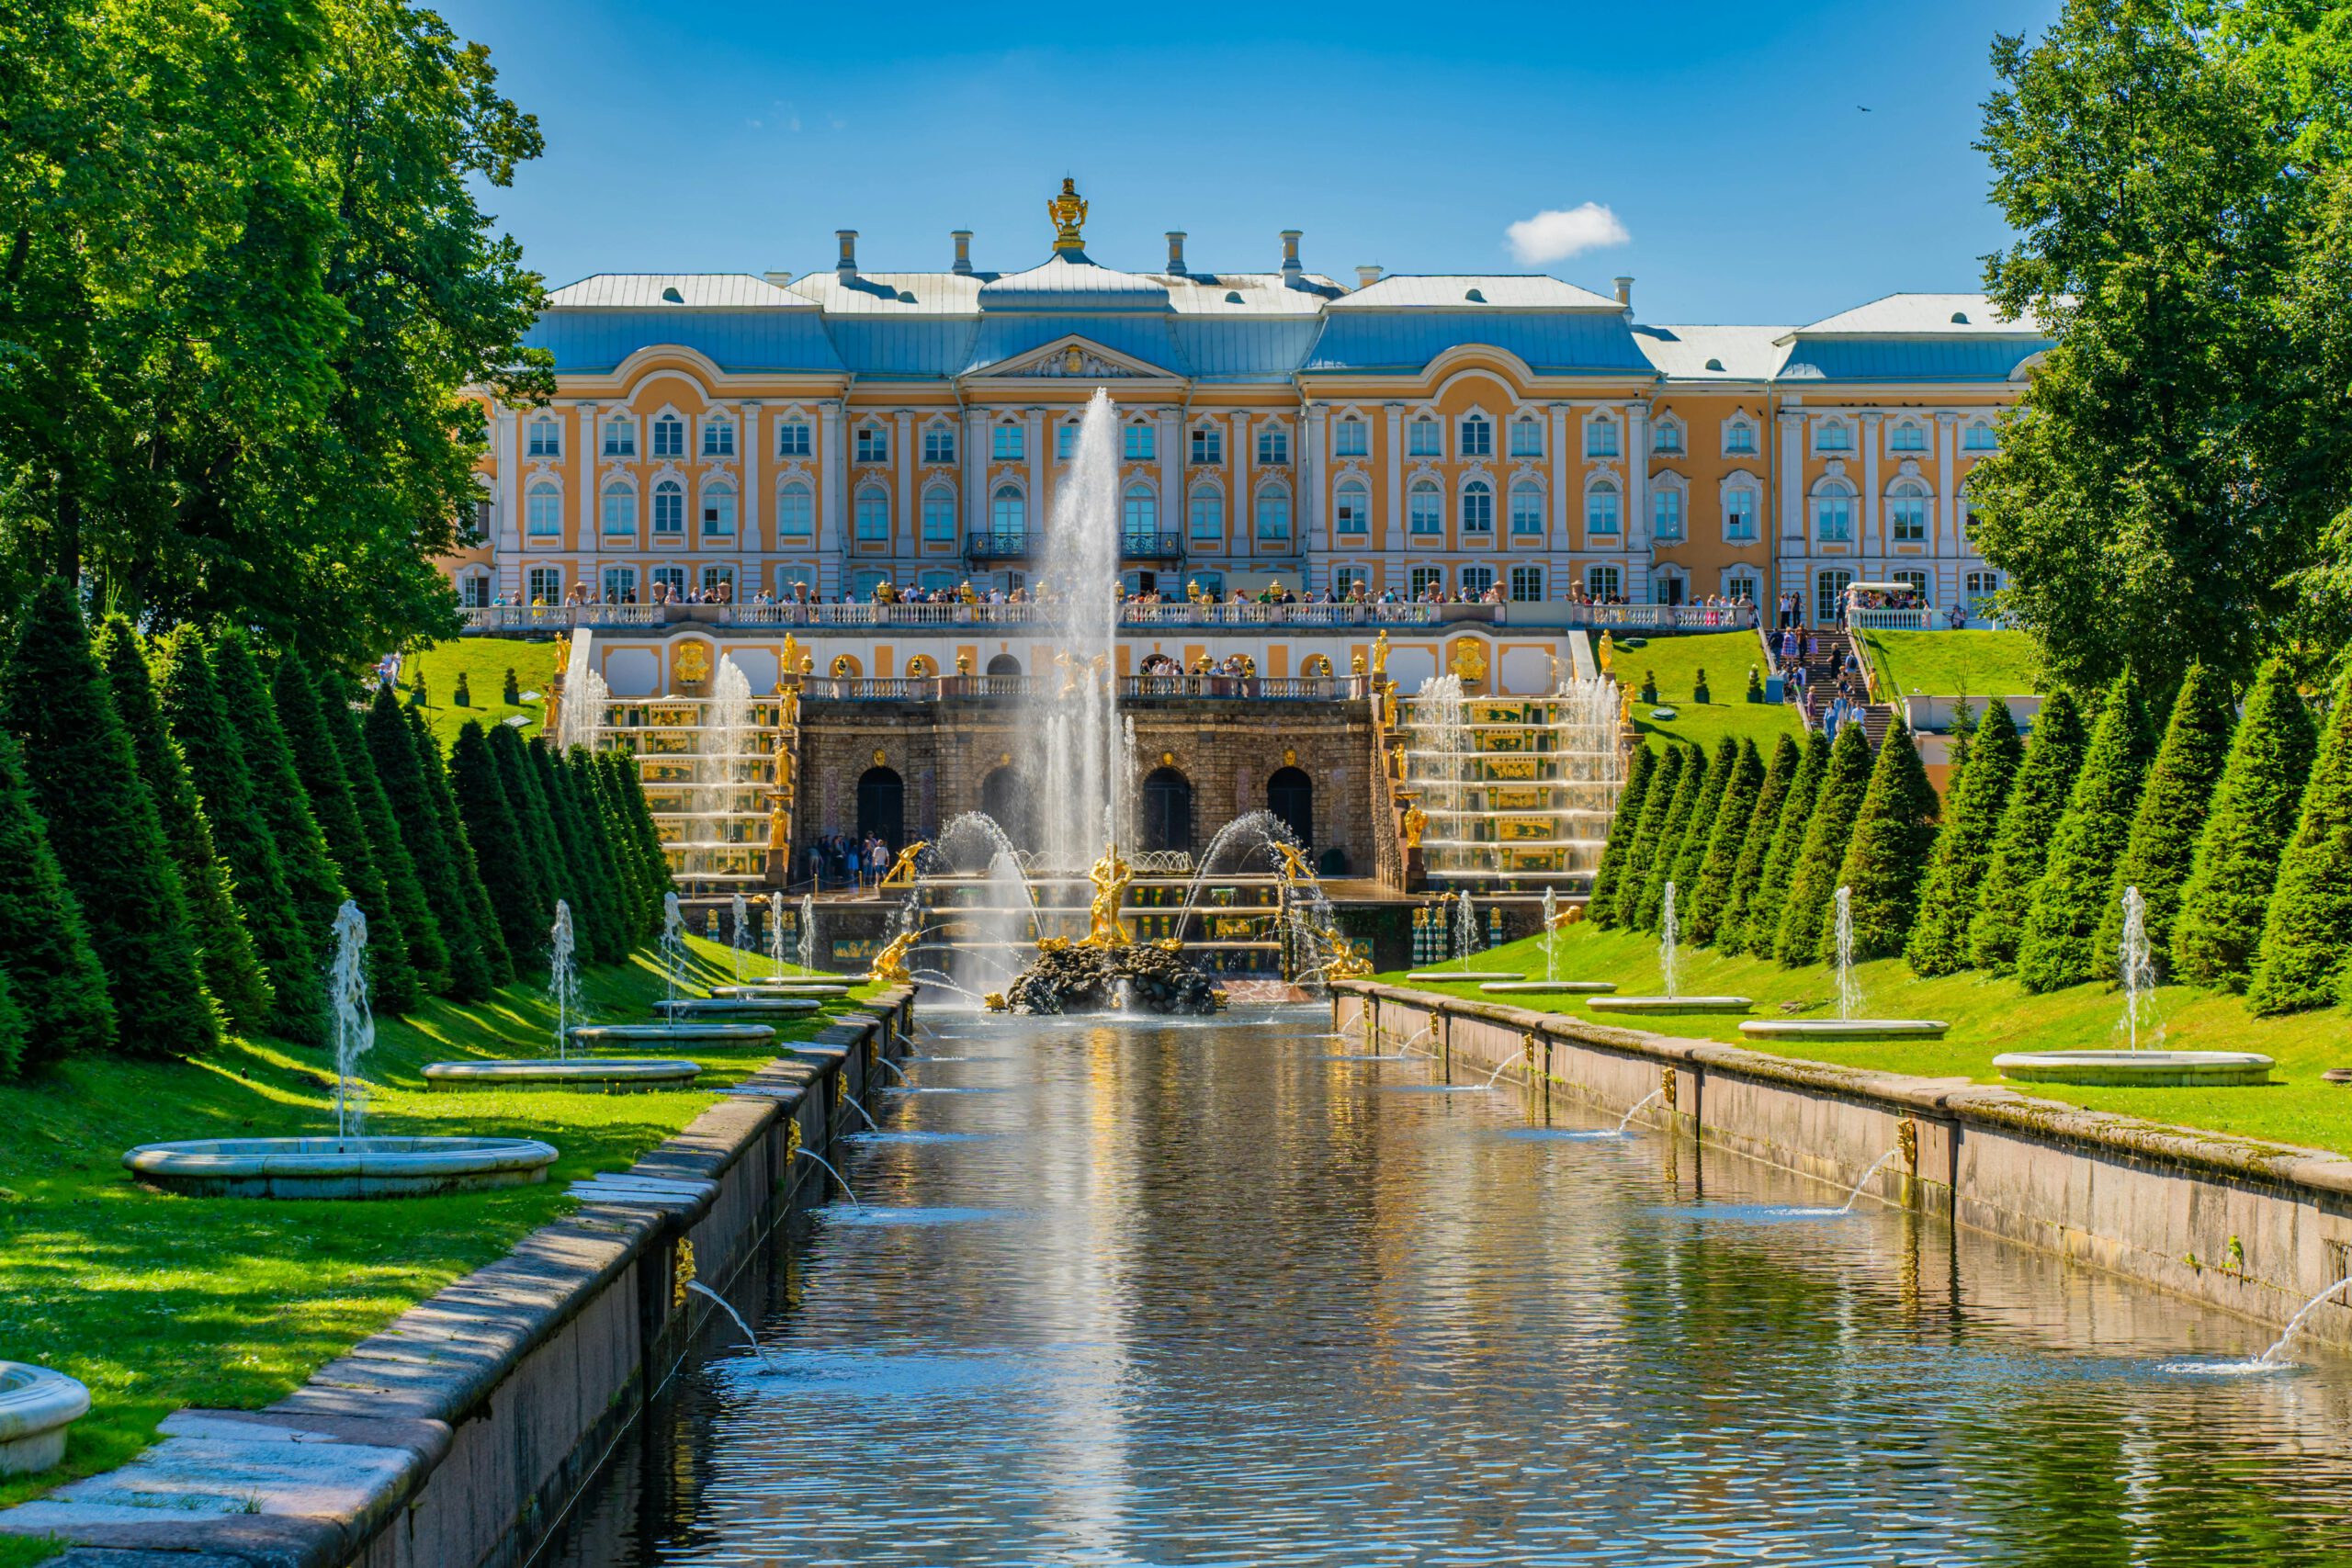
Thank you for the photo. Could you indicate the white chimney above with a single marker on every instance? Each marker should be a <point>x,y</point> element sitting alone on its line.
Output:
<point>846,268</point>
<point>1291,269</point>
<point>1176,253</point>
<point>1625,292</point>
<point>963,238</point>
<point>1366,277</point>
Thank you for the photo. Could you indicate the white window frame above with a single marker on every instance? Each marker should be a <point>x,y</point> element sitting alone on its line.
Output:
<point>1526,436</point>
<point>796,503</point>
<point>792,438</point>
<point>1352,503</point>
<point>546,439</point>
<point>1425,509</point>
<point>1532,514</point>
<point>670,498</point>
<point>938,515</point>
<point>543,510</point>
<point>720,513</point>
<point>871,515</point>
<point>669,436</point>
<point>1351,438</point>
<point>717,436</point>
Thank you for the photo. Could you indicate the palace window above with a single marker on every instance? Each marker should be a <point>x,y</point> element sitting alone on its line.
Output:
<point>1739,513</point>
<point>545,584</point>
<point>718,512</point>
<point>1917,583</point>
<point>1603,582</point>
<point>1477,436</point>
<point>1967,522</point>
<point>620,584</point>
<point>1352,513</point>
<point>1601,518</point>
<point>1424,509</point>
<point>1425,578</point>
<point>670,508</point>
<point>873,444</point>
<point>872,516</point>
<point>1007,512</point>
<point>1208,444</point>
<point>1273,517</point>
<point>1205,517</point>
<point>474,590</point>
<point>669,437</point>
<point>719,579</point>
<point>673,577</point>
<point>543,510</point>
<point>1908,437</point>
<point>1476,579</point>
<point>620,509</point>
<point>1273,447</point>
<point>1423,439</point>
<point>1526,436</point>
<point>1982,586</point>
<point>1600,438</point>
<point>1666,436</point>
<point>1478,507</point>
<point>547,439</point>
<point>1979,438</point>
<point>1527,585</point>
<point>939,443</point>
<point>1351,440</point>
<point>1741,589</point>
<point>796,512</point>
<point>792,439</point>
<point>1138,442</point>
<point>620,438</point>
<point>717,437</point>
<point>1346,580</point>
<point>1526,510</point>
<point>1739,439</point>
<point>1833,513</point>
<point>1829,594</point>
<point>1666,513</point>
<point>938,516</point>
<point>1906,514</point>
<point>1139,511</point>
<point>1835,436</point>
<point>1005,445</point>
<point>1065,441</point>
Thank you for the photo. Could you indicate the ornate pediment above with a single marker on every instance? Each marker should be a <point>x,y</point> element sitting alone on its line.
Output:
<point>1077,360</point>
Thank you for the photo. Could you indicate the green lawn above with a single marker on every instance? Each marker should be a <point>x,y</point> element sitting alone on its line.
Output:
<point>1676,662</point>
<point>1949,664</point>
<point>157,1302</point>
<point>1988,1016</point>
<point>484,660</point>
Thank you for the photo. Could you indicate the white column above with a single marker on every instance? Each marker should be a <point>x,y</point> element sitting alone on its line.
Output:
<point>1034,422</point>
<point>1171,476</point>
<point>584,458</point>
<point>1392,504</point>
<point>1948,542</point>
<point>1872,545</point>
<point>976,471</point>
<point>1241,528</point>
<point>1313,535</point>
<point>1789,529</point>
<point>1638,555</point>
<point>832,466</point>
<point>755,570</point>
<point>903,521</point>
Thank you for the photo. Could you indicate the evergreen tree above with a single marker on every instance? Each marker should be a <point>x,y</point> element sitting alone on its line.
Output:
<point>2057,948</point>
<point>1734,814</point>
<point>435,772</point>
<point>1671,832</point>
<point>312,884</point>
<point>501,849</point>
<point>625,890</point>
<point>290,953</point>
<point>392,749</point>
<point>232,971</point>
<point>1764,821</point>
<point>102,824</point>
<point>550,875</point>
<point>2304,941</point>
<point>631,790</point>
<point>2219,928</point>
<point>16,1030</point>
<point>1704,816</point>
<point>601,937</point>
<point>1602,906</point>
<point>511,694</point>
<point>54,977</point>
<point>1886,858</point>
<point>1980,789</point>
<point>428,955</point>
<point>1762,927</point>
<point>392,984</point>
<point>2170,816</point>
<point>2021,846</point>
<point>1665,779</point>
<point>1813,883</point>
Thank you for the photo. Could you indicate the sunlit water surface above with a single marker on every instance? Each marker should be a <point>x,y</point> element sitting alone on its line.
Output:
<point>1205,1295</point>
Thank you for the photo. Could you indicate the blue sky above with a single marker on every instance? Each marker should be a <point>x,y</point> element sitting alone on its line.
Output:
<point>1728,141</point>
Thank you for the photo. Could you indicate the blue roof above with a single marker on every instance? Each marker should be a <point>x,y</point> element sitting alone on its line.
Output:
<point>1244,348</point>
<point>904,346</point>
<point>1142,335</point>
<point>1408,340</point>
<point>592,342</point>
<point>1955,359</point>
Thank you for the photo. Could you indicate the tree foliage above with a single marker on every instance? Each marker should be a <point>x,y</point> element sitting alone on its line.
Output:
<point>1963,852</point>
<point>1733,811</point>
<point>2219,928</point>
<point>1813,881</point>
<point>1755,844</point>
<point>1886,858</point>
<point>2171,814</point>
<point>428,953</point>
<point>1691,857</point>
<point>2308,932</point>
<point>1643,853</point>
<point>1771,895</point>
<point>1676,826</point>
<point>1602,903</point>
<point>392,748</point>
<point>2059,945</point>
<point>502,852</point>
<point>2021,848</point>
<point>56,987</point>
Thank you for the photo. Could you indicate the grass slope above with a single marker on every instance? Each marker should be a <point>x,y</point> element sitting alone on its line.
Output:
<point>157,1302</point>
<point>1988,1016</point>
<point>1676,662</point>
<point>1948,664</point>
<point>484,661</point>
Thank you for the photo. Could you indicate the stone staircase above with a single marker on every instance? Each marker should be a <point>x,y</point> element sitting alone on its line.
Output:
<point>1831,651</point>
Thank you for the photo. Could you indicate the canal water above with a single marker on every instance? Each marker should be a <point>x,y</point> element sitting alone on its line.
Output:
<point>1138,1293</point>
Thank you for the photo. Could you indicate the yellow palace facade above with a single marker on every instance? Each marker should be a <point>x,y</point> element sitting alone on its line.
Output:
<point>847,427</point>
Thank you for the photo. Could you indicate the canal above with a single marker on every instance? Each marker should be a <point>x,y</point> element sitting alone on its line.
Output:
<point>1147,1293</point>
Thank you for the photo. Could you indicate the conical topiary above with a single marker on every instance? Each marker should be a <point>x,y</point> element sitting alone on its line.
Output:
<point>392,984</point>
<point>550,873</point>
<point>2170,816</point>
<point>291,954</point>
<point>1956,867</point>
<point>1692,855</point>
<point>2021,846</point>
<point>2059,945</point>
<point>511,692</point>
<point>1671,832</point>
<point>602,938</point>
<point>1813,886</point>
<point>630,790</point>
<point>53,977</point>
<point>466,867</point>
<point>1755,844</point>
<point>2219,928</point>
<point>500,848</point>
<point>1699,691</point>
<point>102,824</point>
<point>312,880</point>
<point>2304,942</point>
<point>392,749</point>
<point>1761,926</point>
<point>1886,858</point>
<point>233,970</point>
<point>1602,904</point>
<point>1733,812</point>
<point>1643,851</point>
<point>461,695</point>
<point>420,928</point>
<point>627,894</point>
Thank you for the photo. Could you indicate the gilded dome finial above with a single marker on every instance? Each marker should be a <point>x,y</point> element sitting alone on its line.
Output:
<point>1069,213</point>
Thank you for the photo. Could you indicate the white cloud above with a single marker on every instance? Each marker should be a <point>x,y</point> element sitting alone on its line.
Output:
<point>1558,234</point>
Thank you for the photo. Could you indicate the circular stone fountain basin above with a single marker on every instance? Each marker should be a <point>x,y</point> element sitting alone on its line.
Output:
<point>1662,1006</point>
<point>36,1407</point>
<point>1463,977</point>
<point>593,1035</point>
<point>614,1074</point>
<point>1561,988</point>
<point>720,1007</point>
<point>2159,1070</point>
<point>1844,1029</point>
<point>780,988</point>
<point>339,1168</point>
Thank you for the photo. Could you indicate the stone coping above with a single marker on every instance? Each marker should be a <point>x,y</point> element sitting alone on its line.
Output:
<point>596,1034</point>
<point>1553,987</point>
<point>2162,1069</point>
<point>1844,1029</point>
<point>782,989</point>
<point>338,1167</point>
<point>1463,977</point>
<point>614,1072</point>
<point>1664,1005</point>
<point>690,1007</point>
<point>2253,1160</point>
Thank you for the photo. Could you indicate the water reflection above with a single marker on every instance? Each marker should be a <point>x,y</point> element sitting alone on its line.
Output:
<point>1232,1303</point>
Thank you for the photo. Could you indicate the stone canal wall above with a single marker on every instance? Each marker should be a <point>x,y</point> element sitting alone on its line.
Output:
<point>2252,1227</point>
<point>463,1434</point>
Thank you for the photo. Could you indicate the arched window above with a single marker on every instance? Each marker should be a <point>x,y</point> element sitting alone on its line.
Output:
<point>873,515</point>
<point>1600,437</point>
<point>1350,438</point>
<point>882,805</point>
<point>620,508</point>
<point>543,510</point>
<point>1204,514</point>
<point>547,440</point>
<point>1139,509</point>
<point>1425,508</point>
<point>1906,512</point>
<point>1980,438</point>
<point>1273,517</point>
<point>1601,518</point>
<point>1290,795</point>
<point>1477,436</point>
<point>1004,799</point>
<point>1833,512</point>
<point>1352,513</point>
<point>1665,512</point>
<point>620,438</point>
<point>669,437</point>
<point>1478,507</point>
<point>1004,664</point>
<point>1527,510</point>
<point>1739,439</point>
<point>1423,439</point>
<point>938,515</point>
<point>1740,506</point>
<point>1007,512</point>
<point>718,512</point>
<point>1167,810</point>
<point>1666,436</point>
<point>670,508</point>
<point>794,511</point>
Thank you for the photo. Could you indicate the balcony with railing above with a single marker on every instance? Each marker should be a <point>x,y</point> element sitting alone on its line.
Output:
<point>1132,688</point>
<point>999,547</point>
<point>1296,615</point>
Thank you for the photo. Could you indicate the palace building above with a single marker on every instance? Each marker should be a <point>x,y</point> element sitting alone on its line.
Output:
<point>846,428</point>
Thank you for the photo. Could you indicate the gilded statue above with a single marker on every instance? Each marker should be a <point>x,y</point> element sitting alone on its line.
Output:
<point>787,707</point>
<point>1608,652</point>
<point>1109,876</point>
<point>1380,655</point>
<point>1293,866</point>
<point>1069,213</point>
<point>779,825</point>
<point>693,662</point>
<point>1349,964</point>
<point>890,966</point>
<point>1469,660</point>
<point>791,664</point>
<point>1388,708</point>
<point>993,1001</point>
<point>1416,823</point>
<point>902,872</point>
<point>562,651</point>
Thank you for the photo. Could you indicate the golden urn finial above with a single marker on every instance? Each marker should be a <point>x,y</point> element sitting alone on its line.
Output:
<point>1069,213</point>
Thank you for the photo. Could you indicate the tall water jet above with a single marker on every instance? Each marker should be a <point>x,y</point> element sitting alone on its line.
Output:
<point>739,912</point>
<point>1072,708</point>
<point>355,1023</point>
<point>673,950</point>
<point>1669,928</point>
<point>722,756</point>
<point>809,932</point>
<point>1850,990</point>
<point>1551,935</point>
<point>1465,929</point>
<point>2137,969</point>
<point>563,978</point>
<point>776,935</point>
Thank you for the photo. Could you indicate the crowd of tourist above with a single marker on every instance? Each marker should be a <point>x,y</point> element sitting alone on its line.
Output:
<point>845,861</point>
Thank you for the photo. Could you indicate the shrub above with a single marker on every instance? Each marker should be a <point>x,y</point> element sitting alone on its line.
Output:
<point>1755,685</point>
<point>1980,789</point>
<point>2304,942</point>
<point>511,691</point>
<point>428,953</point>
<point>1761,926</point>
<point>1644,851</point>
<point>2170,816</point>
<point>1755,844</point>
<point>461,695</point>
<point>1698,693</point>
<point>2219,928</point>
<point>1733,812</point>
<point>1886,858</point>
<point>1812,884</point>
<point>392,748</point>
<point>501,851</point>
<point>1672,829</point>
<point>56,987</point>
<point>1602,901</point>
<point>418,696</point>
<point>1649,686</point>
<point>2057,948</point>
<point>1691,856</point>
<point>2021,846</point>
